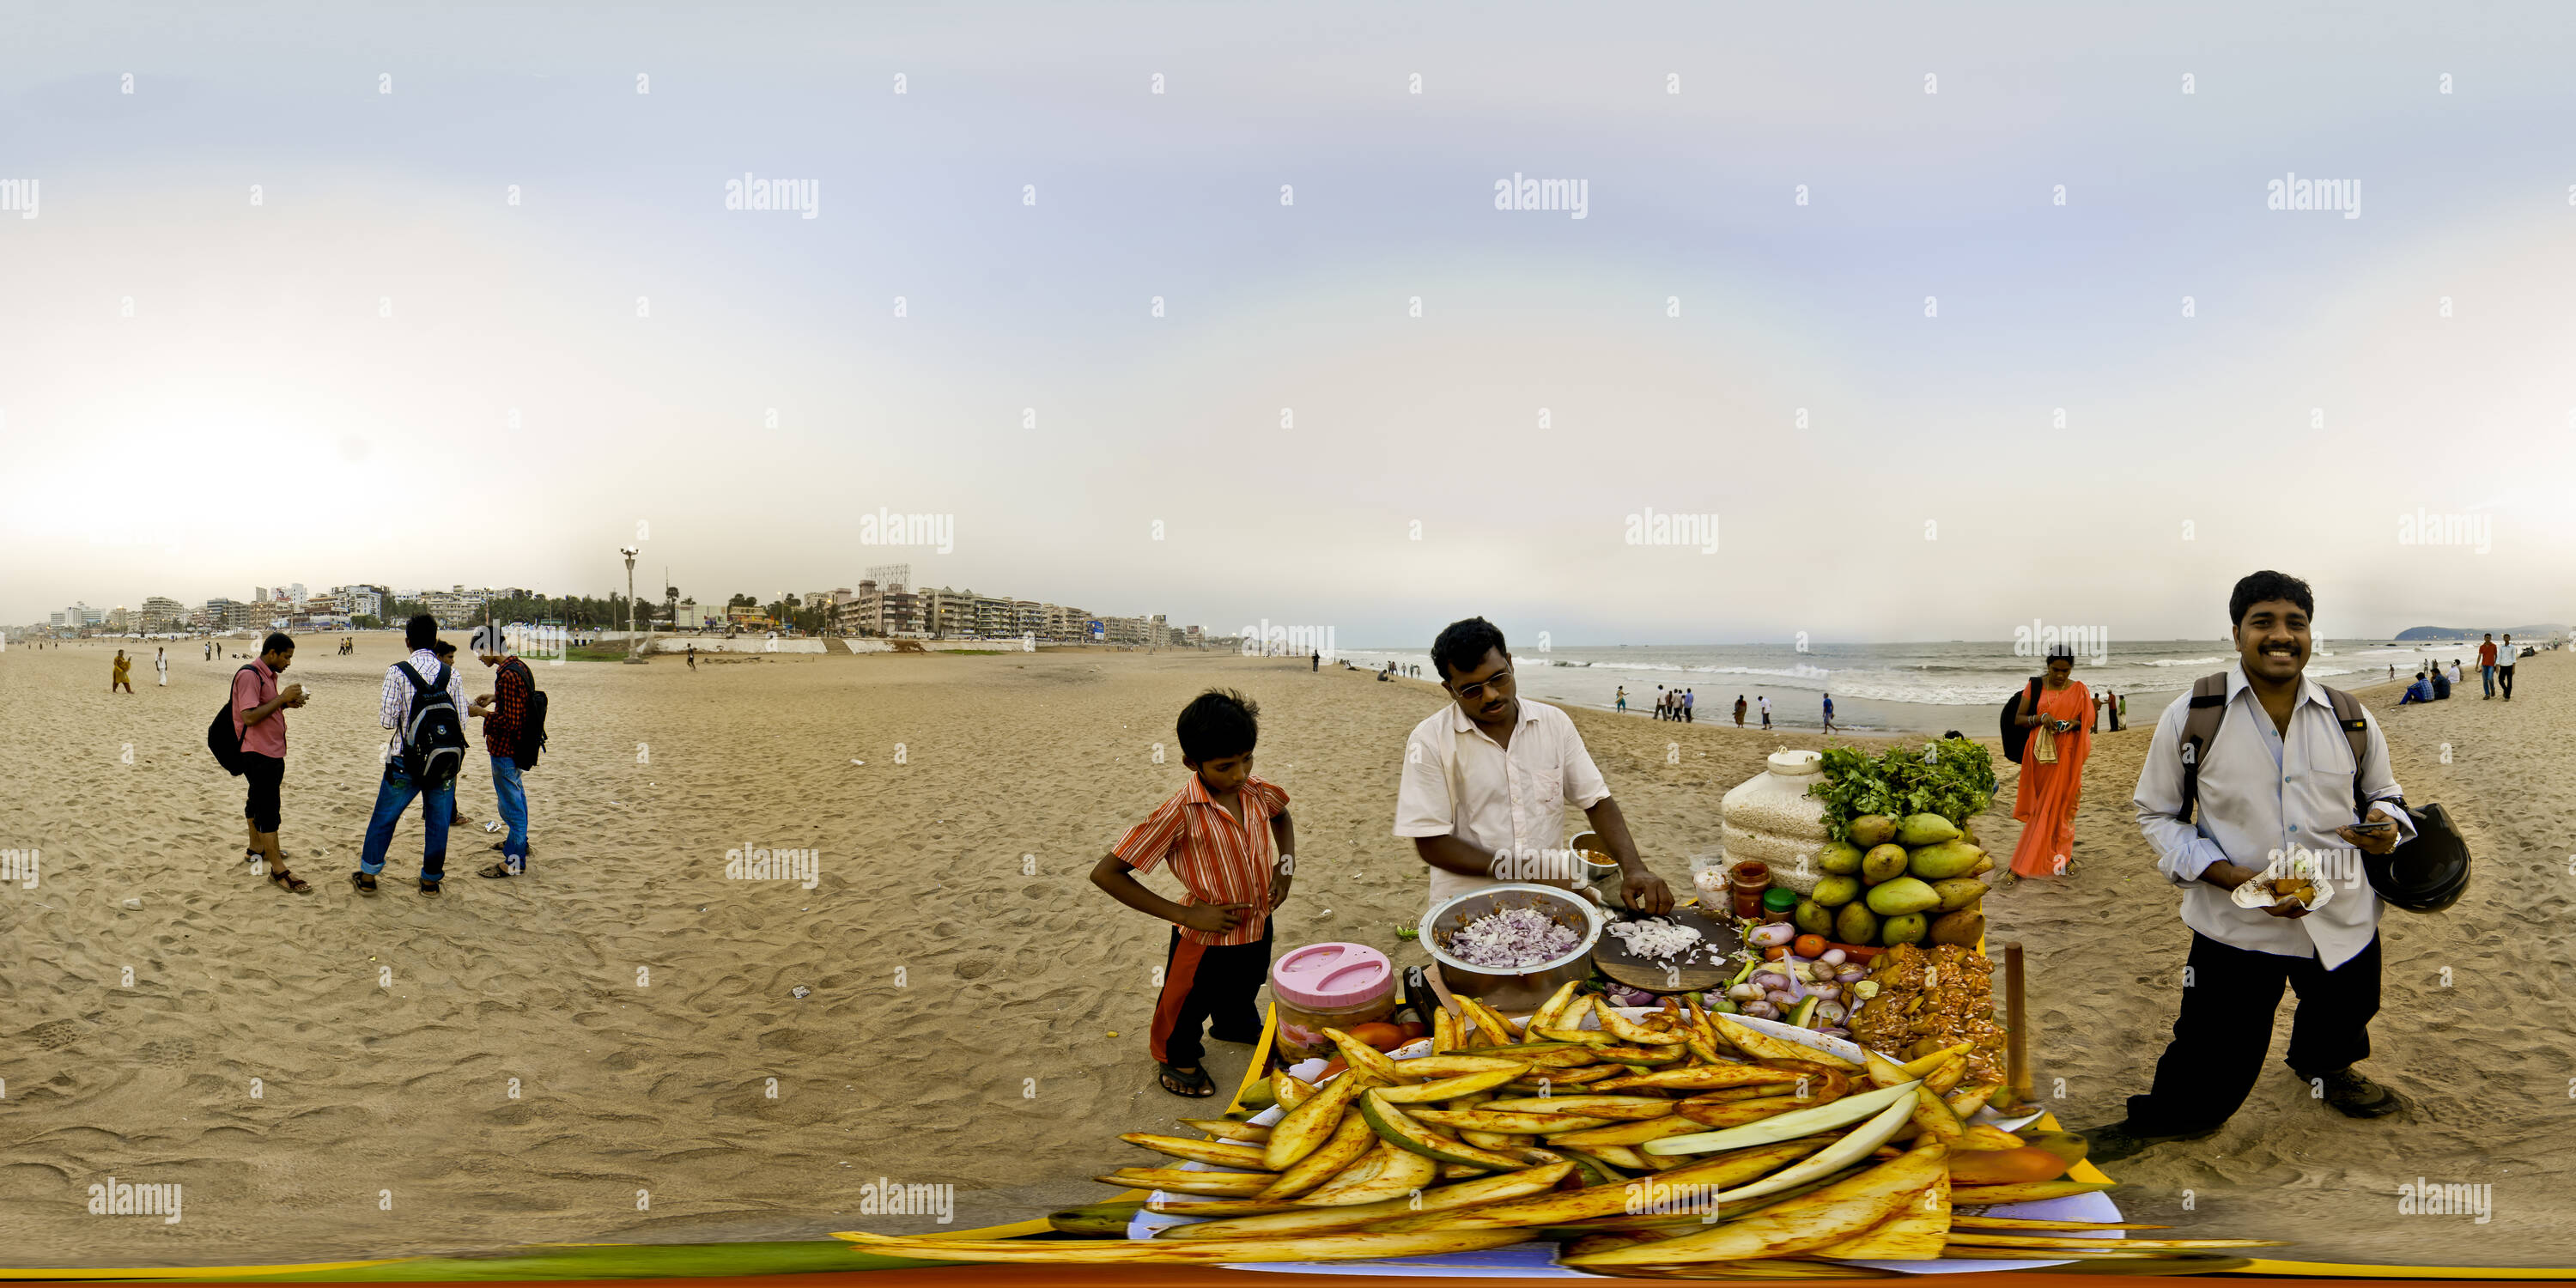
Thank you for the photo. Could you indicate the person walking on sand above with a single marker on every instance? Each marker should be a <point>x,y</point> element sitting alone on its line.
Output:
<point>161,663</point>
<point>2486,665</point>
<point>2052,767</point>
<point>424,704</point>
<point>693,657</point>
<point>1622,704</point>
<point>504,713</point>
<point>1739,711</point>
<point>1829,713</point>
<point>259,720</point>
<point>120,678</point>
<point>1689,700</point>
<point>1488,776</point>
<point>1764,701</point>
<point>1318,662</point>
<point>2504,667</point>
<point>2278,764</point>
<point>1228,837</point>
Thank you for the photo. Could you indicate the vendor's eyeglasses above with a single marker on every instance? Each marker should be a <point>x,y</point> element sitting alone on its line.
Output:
<point>1501,683</point>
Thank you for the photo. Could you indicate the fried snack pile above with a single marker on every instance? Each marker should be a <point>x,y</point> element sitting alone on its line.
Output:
<point>1932,998</point>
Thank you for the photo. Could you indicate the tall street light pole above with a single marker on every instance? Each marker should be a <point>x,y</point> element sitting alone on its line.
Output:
<point>633,656</point>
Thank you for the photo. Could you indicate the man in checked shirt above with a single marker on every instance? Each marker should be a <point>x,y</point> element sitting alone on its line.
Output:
<point>502,712</point>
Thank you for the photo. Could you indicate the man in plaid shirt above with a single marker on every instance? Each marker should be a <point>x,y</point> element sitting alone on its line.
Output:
<point>503,711</point>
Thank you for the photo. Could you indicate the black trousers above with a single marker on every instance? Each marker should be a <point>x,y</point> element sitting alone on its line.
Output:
<point>1205,983</point>
<point>2226,1026</point>
<point>2504,676</point>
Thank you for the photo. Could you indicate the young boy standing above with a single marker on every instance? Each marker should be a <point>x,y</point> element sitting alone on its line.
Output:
<point>1228,838</point>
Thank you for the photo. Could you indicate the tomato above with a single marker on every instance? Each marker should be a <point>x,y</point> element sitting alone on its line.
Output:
<point>1775,952</point>
<point>1414,1029</point>
<point>1379,1034</point>
<point>1808,946</point>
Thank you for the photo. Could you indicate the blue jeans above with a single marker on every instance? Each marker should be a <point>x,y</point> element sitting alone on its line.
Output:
<point>512,796</point>
<point>393,796</point>
<point>2487,674</point>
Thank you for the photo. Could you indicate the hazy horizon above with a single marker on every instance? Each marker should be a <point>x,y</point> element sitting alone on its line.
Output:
<point>387,371</point>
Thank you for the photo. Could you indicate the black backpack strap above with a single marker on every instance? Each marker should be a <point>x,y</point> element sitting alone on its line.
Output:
<point>420,685</point>
<point>2200,724</point>
<point>2356,730</point>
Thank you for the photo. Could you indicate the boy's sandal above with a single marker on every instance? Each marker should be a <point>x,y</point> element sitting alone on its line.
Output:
<point>1193,1083</point>
<point>365,884</point>
<point>291,883</point>
<point>429,887</point>
<point>497,870</point>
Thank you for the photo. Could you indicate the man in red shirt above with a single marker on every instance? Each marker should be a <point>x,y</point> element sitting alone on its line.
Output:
<point>503,712</point>
<point>1228,838</point>
<point>259,716</point>
<point>2487,664</point>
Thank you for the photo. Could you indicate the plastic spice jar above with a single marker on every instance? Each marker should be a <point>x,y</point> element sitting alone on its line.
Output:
<point>1323,986</point>
<point>1778,902</point>
<point>1746,882</point>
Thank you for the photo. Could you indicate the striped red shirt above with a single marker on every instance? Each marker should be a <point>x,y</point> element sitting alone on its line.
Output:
<point>1216,858</point>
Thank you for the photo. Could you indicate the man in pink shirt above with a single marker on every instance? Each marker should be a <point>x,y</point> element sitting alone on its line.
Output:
<point>259,716</point>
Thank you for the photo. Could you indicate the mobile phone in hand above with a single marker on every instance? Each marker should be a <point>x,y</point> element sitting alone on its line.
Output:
<point>2375,826</point>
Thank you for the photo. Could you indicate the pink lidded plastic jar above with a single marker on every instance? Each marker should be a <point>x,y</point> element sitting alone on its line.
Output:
<point>1323,986</point>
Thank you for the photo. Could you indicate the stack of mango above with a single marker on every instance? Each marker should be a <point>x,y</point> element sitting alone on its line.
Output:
<point>1668,1143</point>
<point>1899,881</point>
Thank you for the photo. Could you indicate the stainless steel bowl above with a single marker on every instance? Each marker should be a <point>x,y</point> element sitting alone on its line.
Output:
<point>1525,989</point>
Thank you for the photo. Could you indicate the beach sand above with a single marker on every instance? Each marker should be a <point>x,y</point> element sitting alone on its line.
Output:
<point>965,976</point>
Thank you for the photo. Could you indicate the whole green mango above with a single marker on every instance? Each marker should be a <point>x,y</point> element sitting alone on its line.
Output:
<point>1839,857</point>
<point>1872,829</point>
<point>1925,829</point>
<point>1835,891</point>
<point>1812,918</point>
<point>1944,860</point>
<point>1906,929</point>
<point>1957,892</point>
<point>1881,863</point>
<point>1900,896</point>
<point>1855,925</point>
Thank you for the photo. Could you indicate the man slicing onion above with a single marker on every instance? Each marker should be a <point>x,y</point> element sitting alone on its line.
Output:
<point>1488,778</point>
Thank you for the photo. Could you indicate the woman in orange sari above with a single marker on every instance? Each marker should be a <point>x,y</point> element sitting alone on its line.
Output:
<point>2052,769</point>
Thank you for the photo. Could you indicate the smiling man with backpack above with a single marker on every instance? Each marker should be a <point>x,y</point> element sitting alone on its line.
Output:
<point>514,731</point>
<point>424,704</point>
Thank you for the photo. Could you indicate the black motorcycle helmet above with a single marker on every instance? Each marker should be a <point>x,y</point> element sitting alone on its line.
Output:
<point>2427,874</point>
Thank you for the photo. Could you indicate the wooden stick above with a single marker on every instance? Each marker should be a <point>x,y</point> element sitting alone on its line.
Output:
<point>2017,1030</point>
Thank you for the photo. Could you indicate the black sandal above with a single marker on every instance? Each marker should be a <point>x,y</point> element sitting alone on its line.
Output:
<point>287,880</point>
<point>365,884</point>
<point>1193,1083</point>
<point>429,887</point>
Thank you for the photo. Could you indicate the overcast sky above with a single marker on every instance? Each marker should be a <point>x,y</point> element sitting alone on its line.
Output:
<point>204,392</point>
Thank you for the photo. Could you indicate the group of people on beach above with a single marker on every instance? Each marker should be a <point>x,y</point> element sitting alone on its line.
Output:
<point>423,702</point>
<point>1489,775</point>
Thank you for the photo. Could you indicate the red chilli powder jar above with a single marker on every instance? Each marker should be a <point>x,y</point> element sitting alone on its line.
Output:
<point>1323,986</point>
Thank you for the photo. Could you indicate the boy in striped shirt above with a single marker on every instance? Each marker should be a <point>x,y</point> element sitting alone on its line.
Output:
<point>1228,838</point>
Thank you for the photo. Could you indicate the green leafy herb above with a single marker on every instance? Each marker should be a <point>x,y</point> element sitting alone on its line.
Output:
<point>1951,777</point>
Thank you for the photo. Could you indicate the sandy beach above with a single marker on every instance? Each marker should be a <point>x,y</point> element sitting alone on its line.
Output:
<point>588,1054</point>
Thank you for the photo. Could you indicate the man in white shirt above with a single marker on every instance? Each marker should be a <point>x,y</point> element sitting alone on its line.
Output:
<point>2278,777</point>
<point>1487,779</point>
<point>1765,700</point>
<point>395,790</point>
<point>2504,666</point>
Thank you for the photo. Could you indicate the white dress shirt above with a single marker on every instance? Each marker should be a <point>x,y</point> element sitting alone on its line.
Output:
<point>2263,792</point>
<point>1514,799</point>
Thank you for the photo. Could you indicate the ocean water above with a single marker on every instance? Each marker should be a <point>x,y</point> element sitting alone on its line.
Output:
<point>1897,687</point>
